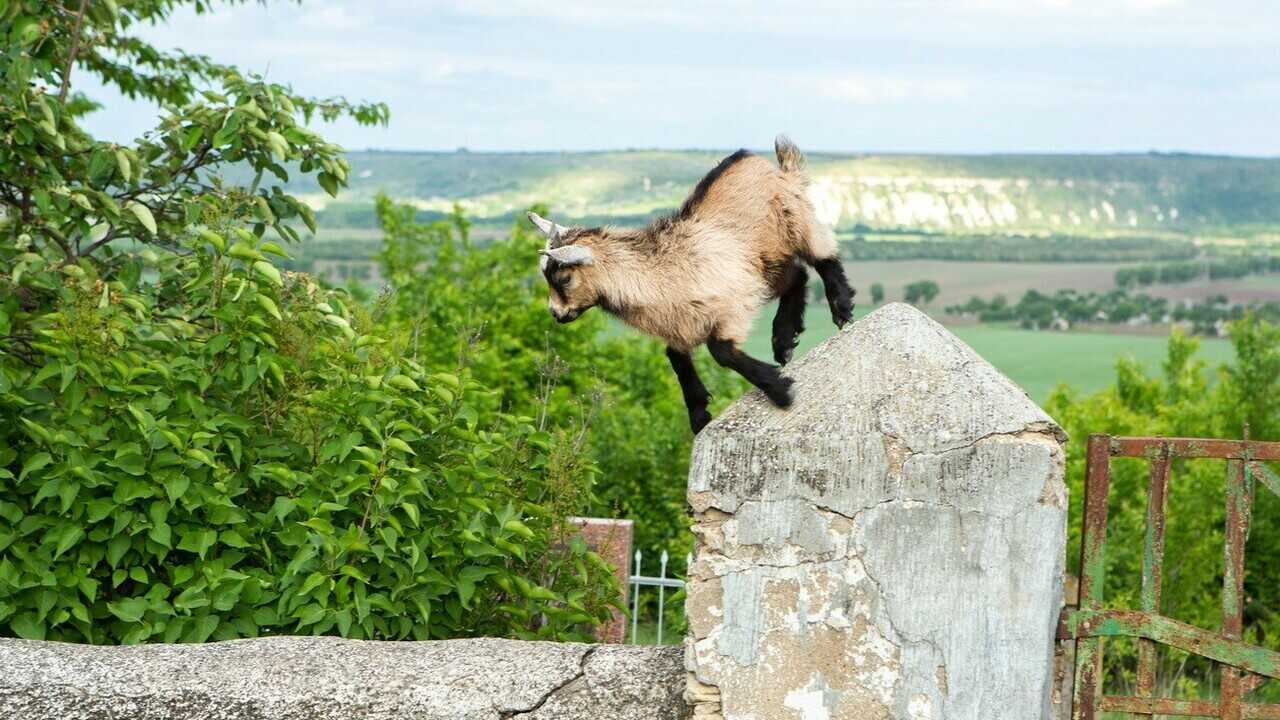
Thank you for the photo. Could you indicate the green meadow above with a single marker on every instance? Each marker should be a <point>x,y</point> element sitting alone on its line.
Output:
<point>1037,361</point>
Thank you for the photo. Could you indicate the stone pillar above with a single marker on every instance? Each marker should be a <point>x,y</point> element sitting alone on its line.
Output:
<point>890,547</point>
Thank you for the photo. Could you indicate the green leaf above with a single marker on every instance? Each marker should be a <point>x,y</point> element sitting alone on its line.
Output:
<point>518,528</point>
<point>404,382</point>
<point>201,629</point>
<point>144,216</point>
<point>200,456</point>
<point>412,511</point>
<point>213,239</point>
<point>129,489</point>
<point>267,304</point>
<point>191,599</point>
<point>28,626</point>
<point>191,137</point>
<point>242,250</point>
<point>116,549</point>
<point>329,183</point>
<point>467,580</point>
<point>25,30</point>
<point>309,615</point>
<point>319,525</point>
<point>130,610</point>
<point>133,463</point>
<point>313,581</point>
<point>176,486</point>
<point>274,249</point>
<point>126,172</point>
<point>33,463</point>
<point>398,444</point>
<point>198,541</point>
<point>71,535</point>
<point>268,271</point>
<point>47,490</point>
<point>161,534</point>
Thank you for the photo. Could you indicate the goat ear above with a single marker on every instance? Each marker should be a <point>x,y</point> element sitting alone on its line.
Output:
<point>570,255</point>
<point>551,230</point>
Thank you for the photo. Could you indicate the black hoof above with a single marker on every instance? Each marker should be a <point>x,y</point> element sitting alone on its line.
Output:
<point>779,392</point>
<point>782,352</point>
<point>841,313</point>
<point>698,419</point>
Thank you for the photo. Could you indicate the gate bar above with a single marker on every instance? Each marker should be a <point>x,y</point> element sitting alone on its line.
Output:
<point>1239,510</point>
<point>1153,566</point>
<point>1093,571</point>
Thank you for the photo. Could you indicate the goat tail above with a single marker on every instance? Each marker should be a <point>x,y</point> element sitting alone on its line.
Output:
<point>789,156</point>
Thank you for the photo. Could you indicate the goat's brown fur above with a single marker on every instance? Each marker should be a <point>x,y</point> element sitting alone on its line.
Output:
<point>737,243</point>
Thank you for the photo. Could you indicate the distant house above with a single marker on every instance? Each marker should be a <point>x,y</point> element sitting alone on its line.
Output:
<point>1060,323</point>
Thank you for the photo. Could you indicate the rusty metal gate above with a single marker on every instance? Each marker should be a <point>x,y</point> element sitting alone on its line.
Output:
<point>1243,666</point>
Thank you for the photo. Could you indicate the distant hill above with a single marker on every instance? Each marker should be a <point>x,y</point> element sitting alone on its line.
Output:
<point>1077,195</point>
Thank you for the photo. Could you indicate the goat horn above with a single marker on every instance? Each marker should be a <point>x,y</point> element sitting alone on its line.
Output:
<point>545,226</point>
<point>569,255</point>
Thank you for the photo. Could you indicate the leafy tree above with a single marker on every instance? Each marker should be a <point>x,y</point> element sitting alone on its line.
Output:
<point>62,189</point>
<point>877,293</point>
<point>195,445</point>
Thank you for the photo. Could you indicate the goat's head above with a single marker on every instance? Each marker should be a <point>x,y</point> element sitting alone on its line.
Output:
<point>567,264</point>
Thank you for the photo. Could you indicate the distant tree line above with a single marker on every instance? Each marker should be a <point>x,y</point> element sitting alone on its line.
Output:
<point>1015,248</point>
<point>1065,308</point>
<point>1215,269</point>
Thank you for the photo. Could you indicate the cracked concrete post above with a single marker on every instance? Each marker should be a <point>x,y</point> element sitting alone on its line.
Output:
<point>891,547</point>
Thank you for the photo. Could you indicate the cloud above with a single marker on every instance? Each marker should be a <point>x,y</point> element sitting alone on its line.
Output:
<point>841,74</point>
<point>865,90</point>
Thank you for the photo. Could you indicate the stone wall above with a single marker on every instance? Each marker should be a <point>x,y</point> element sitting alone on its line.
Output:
<point>315,678</point>
<point>890,547</point>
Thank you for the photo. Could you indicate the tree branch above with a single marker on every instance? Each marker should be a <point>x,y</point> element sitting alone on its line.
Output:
<point>111,235</point>
<point>71,55</point>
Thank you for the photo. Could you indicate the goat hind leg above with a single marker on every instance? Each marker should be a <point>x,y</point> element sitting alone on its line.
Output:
<point>759,373</point>
<point>788,323</point>
<point>836,285</point>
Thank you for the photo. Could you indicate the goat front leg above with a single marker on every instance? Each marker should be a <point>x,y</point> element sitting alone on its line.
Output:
<point>836,285</point>
<point>788,323</point>
<point>695,393</point>
<point>757,372</point>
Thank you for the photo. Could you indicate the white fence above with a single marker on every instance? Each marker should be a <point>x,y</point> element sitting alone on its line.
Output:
<point>661,582</point>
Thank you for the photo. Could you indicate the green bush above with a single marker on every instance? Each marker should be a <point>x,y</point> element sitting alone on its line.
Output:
<point>196,447</point>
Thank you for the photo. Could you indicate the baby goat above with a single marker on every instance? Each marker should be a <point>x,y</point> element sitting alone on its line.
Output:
<point>701,274</point>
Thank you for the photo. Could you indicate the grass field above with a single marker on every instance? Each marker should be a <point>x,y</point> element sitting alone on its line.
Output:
<point>1036,361</point>
<point>959,281</point>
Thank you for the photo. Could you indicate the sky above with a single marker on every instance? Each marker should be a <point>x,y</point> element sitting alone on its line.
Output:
<point>950,76</point>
